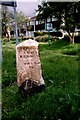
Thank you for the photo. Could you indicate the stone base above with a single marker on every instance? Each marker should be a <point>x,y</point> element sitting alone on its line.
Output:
<point>30,87</point>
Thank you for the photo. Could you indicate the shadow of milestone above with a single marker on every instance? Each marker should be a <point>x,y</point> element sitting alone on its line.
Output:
<point>30,87</point>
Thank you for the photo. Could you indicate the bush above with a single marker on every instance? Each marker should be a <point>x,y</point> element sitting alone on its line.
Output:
<point>38,39</point>
<point>66,38</point>
<point>39,33</point>
<point>77,39</point>
<point>57,34</point>
<point>5,39</point>
<point>44,38</point>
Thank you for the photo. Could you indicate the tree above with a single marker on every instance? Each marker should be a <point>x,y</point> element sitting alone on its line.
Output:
<point>21,18</point>
<point>22,22</point>
<point>66,12</point>
<point>7,17</point>
<point>44,11</point>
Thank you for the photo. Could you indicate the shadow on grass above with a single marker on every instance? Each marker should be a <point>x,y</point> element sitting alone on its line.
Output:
<point>53,45</point>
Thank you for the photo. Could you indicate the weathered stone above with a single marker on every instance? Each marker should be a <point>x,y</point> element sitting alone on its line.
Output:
<point>29,74</point>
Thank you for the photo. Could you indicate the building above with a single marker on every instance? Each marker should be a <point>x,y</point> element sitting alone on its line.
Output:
<point>34,25</point>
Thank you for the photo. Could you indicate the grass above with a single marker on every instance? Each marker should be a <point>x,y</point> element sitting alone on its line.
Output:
<point>60,100</point>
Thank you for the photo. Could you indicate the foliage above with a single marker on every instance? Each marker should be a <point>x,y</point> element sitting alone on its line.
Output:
<point>7,17</point>
<point>43,11</point>
<point>56,34</point>
<point>44,38</point>
<point>21,18</point>
<point>59,100</point>
<point>39,33</point>
<point>67,13</point>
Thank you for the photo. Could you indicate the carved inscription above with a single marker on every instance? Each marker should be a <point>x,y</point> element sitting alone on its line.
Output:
<point>27,56</point>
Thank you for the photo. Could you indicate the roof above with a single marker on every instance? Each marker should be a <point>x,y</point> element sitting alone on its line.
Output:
<point>33,18</point>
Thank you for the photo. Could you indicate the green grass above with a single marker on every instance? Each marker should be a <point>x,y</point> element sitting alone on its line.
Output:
<point>8,64</point>
<point>59,100</point>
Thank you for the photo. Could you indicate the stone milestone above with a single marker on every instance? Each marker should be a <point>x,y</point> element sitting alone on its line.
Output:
<point>29,73</point>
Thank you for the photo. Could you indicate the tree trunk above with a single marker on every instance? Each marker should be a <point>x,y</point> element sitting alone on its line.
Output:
<point>46,24</point>
<point>72,40</point>
<point>71,36</point>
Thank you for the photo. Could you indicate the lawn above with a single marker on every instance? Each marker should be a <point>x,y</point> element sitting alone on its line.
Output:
<point>60,100</point>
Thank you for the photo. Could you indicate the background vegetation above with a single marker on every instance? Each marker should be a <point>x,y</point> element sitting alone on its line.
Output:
<point>66,12</point>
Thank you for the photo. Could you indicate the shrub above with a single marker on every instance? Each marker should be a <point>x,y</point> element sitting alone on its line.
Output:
<point>57,34</point>
<point>77,39</point>
<point>39,33</point>
<point>5,39</point>
<point>38,39</point>
<point>44,38</point>
<point>66,38</point>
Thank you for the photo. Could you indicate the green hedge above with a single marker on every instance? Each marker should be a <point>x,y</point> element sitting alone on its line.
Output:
<point>45,38</point>
<point>57,34</point>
